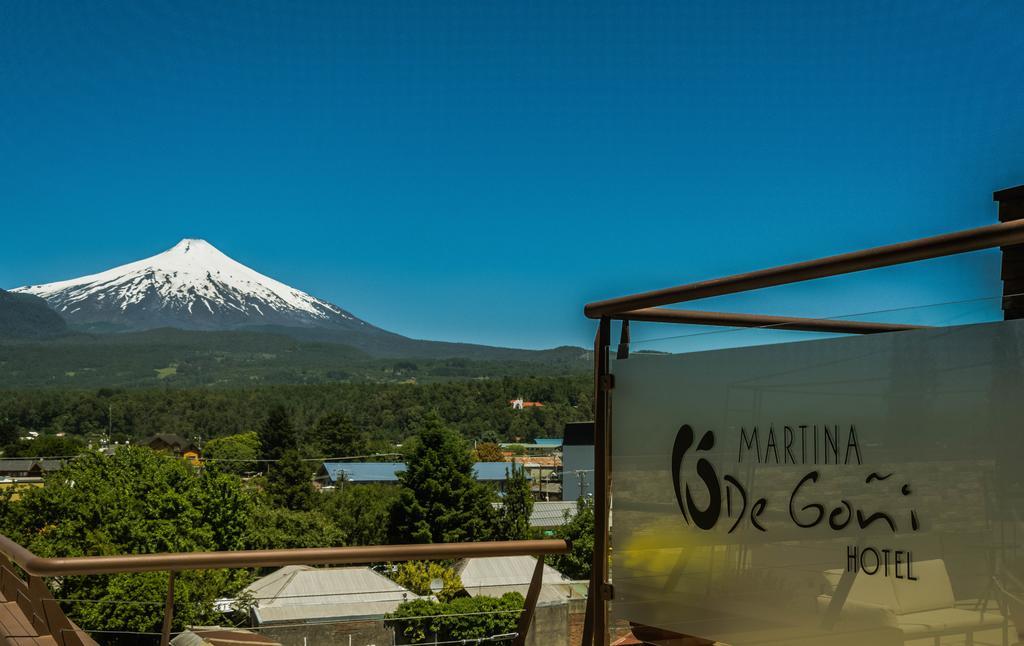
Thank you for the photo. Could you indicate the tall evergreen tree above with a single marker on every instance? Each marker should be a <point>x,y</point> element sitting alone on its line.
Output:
<point>290,482</point>
<point>277,434</point>
<point>339,436</point>
<point>514,517</point>
<point>440,500</point>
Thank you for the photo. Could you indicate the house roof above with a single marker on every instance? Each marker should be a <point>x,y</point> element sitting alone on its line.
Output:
<point>493,471</point>
<point>16,464</point>
<point>493,576</point>
<point>548,441</point>
<point>26,464</point>
<point>547,514</point>
<point>503,570</point>
<point>551,514</point>
<point>388,471</point>
<point>303,593</point>
<point>222,637</point>
<point>170,439</point>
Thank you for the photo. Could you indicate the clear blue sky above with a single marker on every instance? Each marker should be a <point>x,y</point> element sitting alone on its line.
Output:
<point>477,171</point>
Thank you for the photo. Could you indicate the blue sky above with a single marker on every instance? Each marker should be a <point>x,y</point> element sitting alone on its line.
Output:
<point>478,171</point>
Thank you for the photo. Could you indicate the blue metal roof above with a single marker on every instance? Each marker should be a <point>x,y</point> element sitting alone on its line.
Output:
<point>548,441</point>
<point>494,471</point>
<point>388,471</point>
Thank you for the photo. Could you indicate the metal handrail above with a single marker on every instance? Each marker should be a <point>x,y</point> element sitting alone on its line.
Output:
<point>80,565</point>
<point>38,566</point>
<point>995,235</point>
<point>729,319</point>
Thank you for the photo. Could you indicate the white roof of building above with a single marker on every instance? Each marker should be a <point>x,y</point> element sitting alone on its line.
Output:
<point>547,514</point>
<point>301,593</point>
<point>493,576</point>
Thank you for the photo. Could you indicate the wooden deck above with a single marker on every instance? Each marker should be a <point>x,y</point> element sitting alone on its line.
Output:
<point>17,630</point>
<point>29,616</point>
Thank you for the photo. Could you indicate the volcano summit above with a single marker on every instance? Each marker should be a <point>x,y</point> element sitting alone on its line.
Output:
<point>192,285</point>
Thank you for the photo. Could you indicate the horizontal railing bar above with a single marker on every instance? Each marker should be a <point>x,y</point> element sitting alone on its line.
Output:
<point>79,565</point>
<point>730,319</point>
<point>995,235</point>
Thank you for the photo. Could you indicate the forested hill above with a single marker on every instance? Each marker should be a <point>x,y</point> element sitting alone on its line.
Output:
<point>23,316</point>
<point>479,410</point>
<point>180,358</point>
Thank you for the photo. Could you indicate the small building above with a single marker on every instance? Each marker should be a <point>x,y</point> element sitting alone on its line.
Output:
<point>20,469</point>
<point>171,443</point>
<point>325,605</point>
<point>519,404</point>
<point>578,460</point>
<point>545,475</point>
<point>560,606</point>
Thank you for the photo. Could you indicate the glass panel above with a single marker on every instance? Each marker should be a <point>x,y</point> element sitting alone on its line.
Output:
<point>839,491</point>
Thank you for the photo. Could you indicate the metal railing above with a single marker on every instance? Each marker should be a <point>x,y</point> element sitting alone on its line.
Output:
<point>47,618</point>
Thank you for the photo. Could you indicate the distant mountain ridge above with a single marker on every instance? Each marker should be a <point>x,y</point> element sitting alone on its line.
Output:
<point>23,316</point>
<point>193,286</point>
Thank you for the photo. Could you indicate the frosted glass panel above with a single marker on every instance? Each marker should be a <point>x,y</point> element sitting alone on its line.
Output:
<point>822,492</point>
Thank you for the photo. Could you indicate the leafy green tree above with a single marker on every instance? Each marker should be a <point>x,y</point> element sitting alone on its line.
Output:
<point>338,436</point>
<point>45,446</point>
<point>418,576</point>
<point>440,500</point>
<point>137,501</point>
<point>421,621</point>
<point>579,531</point>
<point>287,529</point>
<point>277,434</point>
<point>236,454</point>
<point>513,522</point>
<point>363,510</point>
<point>290,482</point>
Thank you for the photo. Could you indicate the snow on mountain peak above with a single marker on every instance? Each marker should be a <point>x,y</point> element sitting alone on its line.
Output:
<point>192,284</point>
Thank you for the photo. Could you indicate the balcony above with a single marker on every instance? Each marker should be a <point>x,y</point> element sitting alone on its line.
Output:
<point>31,613</point>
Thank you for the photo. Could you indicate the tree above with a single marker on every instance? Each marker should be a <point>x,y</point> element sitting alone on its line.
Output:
<point>236,454</point>
<point>137,502</point>
<point>277,434</point>
<point>363,510</point>
<point>440,500</point>
<point>290,482</point>
<point>513,522</point>
<point>418,576</point>
<point>339,436</point>
<point>45,446</point>
<point>287,529</point>
<point>422,621</point>
<point>579,531</point>
<point>488,452</point>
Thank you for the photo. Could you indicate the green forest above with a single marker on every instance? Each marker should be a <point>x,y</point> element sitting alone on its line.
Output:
<point>171,358</point>
<point>478,410</point>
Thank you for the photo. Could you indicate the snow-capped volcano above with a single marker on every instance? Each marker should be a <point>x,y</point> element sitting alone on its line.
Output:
<point>191,285</point>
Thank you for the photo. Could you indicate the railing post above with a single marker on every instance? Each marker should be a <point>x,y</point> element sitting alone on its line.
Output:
<point>165,633</point>
<point>588,615</point>
<point>602,392</point>
<point>530,606</point>
<point>1011,207</point>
